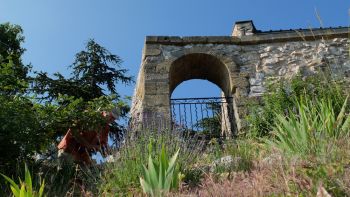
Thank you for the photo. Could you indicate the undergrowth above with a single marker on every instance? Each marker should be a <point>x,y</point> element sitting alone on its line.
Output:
<point>122,176</point>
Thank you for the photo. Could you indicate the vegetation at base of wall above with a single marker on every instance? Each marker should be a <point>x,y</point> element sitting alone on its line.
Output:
<point>311,129</point>
<point>306,153</point>
<point>280,98</point>
<point>122,176</point>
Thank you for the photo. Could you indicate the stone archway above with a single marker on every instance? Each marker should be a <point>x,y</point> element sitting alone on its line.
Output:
<point>200,66</point>
<point>250,57</point>
<point>159,76</point>
<point>210,68</point>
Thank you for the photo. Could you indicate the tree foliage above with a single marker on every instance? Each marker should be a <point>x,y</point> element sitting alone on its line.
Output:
<point>94,69</point>
<point>35,112</point>
<point>13,73</point>
<point>95,73</point>
<point>21,132</point>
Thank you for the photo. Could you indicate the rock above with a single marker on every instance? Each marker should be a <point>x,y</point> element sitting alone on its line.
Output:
<point>152,52</point>
<point>268,69</point>
<point>257,89</point>
<point>263,55</point>
<point>335,51</point>
<point>259,76</point>
<point>322,192</point>
<point>296,53</point>
<point>227,162</point>
<point>273,60</point>
<point>282,71</point>
<point>271,159</point>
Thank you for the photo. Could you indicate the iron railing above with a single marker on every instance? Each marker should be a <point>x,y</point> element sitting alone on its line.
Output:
<point>206,117</point>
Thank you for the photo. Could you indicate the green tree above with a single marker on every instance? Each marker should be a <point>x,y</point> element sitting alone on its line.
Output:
<point>95,73</point>
<point>36,111</point>
<point>94,69</point>
<point>13,76</point>
<point>21,132</point>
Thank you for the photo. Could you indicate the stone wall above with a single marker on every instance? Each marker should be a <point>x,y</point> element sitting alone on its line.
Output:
<point>240,65</point>
<point>275,60</point>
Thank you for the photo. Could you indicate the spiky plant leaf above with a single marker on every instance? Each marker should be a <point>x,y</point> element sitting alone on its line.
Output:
<point>22,192</point>
<point>41,190</point>
<point>161,175</point>
<point>12,183</point>
<point>28,180</point>
<point>15,192</point>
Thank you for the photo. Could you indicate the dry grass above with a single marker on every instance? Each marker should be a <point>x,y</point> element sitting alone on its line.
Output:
<point>277,175</point>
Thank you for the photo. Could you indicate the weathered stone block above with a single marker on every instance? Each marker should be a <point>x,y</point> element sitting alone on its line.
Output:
<point>152,52</point>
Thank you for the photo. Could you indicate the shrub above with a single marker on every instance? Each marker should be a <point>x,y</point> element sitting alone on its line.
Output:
<point>280,98</point>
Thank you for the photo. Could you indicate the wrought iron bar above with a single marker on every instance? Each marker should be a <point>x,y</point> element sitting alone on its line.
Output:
<point>211,116</point>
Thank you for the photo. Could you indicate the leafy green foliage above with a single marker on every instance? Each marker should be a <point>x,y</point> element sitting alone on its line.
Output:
<point>32,125</point>
<point>93,69</point>
<point>122,176</point>
<point>162,175</point>
<point>280,98</point>
<point>25,188</point>
<point>13,74</point>
<point>10,81</point>
<point>82,97</point>
<point>22,133</point>
<point>311,129</point>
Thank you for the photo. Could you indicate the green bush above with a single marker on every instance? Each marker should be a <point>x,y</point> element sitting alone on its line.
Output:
<point>280,98</point>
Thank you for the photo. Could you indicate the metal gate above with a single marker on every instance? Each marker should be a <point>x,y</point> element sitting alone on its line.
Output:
<point>203,117</point>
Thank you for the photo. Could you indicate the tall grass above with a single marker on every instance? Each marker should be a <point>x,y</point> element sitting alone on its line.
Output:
<point>122,176</point>
<point>312,128</point>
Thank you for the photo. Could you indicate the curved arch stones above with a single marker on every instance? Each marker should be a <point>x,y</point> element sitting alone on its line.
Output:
<point>239,64</point>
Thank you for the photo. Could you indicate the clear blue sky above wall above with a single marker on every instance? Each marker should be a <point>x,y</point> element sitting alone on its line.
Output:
<point>56,30</point>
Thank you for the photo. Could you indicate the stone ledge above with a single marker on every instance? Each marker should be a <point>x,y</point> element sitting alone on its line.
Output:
<point>258,38</point>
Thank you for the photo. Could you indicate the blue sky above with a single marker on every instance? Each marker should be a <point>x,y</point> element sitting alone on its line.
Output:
<point>56,30</point>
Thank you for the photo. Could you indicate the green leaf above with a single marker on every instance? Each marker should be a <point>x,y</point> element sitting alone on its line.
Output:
<point>15,192</point>
<point>41,190</point>
<point>13,184</point>
<point>145,186</point>
<point>346,125</point>
<point>153,175</point>
<point>159,177</point>
<point>342,111</point>
<point>28,180</point>
<point>22,192</point>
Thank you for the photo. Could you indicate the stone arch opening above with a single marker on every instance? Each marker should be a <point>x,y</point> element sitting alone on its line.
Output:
<point>200,66</point>
<point>206,67</point>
